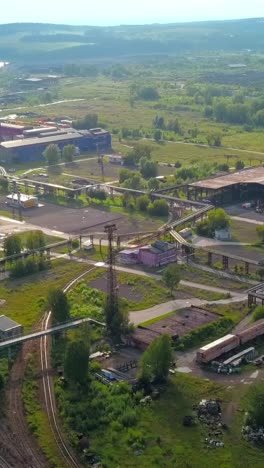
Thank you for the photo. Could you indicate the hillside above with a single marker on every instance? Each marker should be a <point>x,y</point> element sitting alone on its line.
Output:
<point>47,43</point>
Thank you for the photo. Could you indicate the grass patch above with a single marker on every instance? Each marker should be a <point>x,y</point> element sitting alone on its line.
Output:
<point>202,293</point>
<point>190,273</point>
<point>25,298</point>
<point>37,418</point>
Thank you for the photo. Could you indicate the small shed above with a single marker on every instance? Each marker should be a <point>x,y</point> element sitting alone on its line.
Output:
<point>9,328</point>
<point>223,234</point>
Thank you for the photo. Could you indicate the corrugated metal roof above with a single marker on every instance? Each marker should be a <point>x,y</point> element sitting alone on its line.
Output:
<point>6,323</point>
<point>39,141</point>
<point>246,176</point>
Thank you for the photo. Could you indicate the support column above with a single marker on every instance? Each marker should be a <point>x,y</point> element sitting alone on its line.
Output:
<point>118,242</point>
<point>225,262</point>
<point>210,258</point>
<point>80,241</point>
<point>92,239</point>
<point>246,268</point>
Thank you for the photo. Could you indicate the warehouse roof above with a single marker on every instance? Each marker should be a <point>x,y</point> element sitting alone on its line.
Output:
<point>13,126</point>
<point>217,342</point>
<point>7,324</point>
<point>246,176</point>
<point>39,141</point>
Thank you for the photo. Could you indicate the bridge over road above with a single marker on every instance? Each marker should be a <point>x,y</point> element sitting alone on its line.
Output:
<point>48,331</point>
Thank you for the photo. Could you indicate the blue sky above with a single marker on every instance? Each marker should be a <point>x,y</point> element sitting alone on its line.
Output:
<point>113,12</point>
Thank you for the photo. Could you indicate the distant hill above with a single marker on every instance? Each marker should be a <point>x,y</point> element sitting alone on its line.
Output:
<point>27,43</point>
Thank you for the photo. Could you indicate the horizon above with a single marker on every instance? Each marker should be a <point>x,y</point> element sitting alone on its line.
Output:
<point>140,12</point>
<point>134,24</point>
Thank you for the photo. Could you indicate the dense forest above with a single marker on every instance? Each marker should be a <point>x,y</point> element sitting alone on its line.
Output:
<point>58,42</point>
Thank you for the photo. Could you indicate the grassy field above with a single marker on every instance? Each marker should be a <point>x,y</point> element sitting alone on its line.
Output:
<point>25,298</point>
<point>178,446</point>
<point>190,273</point>
<point>244,232</point>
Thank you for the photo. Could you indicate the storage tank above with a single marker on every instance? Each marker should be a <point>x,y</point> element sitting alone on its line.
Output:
<point>217,348</point>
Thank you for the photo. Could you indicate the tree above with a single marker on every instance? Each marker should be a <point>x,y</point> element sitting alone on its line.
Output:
<point>52,154</point>
<point>68,153</point>
<point>158,208</point>
<point>88,122</point>
<point>214,139</point>
<point>158,135</point>
<point>156,360</point>
<point>12,245</point>
<point>260,273</point>
<point>260,232</point>
<point>135,182</point>
<point>258,313</point>
<point>117,323</point>
<point>76,362</point>
<point>153,183</point>
<point>148,94</point>
<point>171,277</point>
<point>125,174</point>
<point>148,168</point>
<point>142,202</point>
<point>59,306</point>
<point>159,122</point>
<point>3,185</point>
<point>239,165</point>
<point>174,126</point>
<point>255,401</point>
<point>218,219</point>
<point>35,240</point>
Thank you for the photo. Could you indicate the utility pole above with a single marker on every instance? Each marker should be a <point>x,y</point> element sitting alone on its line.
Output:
<point>112,289</point>
<point>100,161</point>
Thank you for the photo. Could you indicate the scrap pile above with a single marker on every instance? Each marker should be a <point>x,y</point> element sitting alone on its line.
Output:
<point>209,414</point>
<point>254,435</point>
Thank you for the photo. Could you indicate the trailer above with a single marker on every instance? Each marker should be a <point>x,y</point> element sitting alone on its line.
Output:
<point>252,332</point>
<point>217,348</point>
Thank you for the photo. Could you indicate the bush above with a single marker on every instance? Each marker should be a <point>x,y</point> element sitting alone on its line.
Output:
<point>258,313</point>
<point>28,266</point>
<point>158,208</point>
<point>213,330</point>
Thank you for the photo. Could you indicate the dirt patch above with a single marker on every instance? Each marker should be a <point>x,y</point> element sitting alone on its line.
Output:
<point>124,290</point>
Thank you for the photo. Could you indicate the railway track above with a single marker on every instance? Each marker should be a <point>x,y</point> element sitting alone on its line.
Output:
<point>49,400</point>
<point>3,463</point>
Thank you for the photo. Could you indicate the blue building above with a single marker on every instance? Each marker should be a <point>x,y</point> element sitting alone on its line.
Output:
<point>31,149</point>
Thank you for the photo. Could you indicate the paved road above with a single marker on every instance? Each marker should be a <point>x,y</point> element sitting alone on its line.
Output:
<point>140,316</point>
<point>204,242</point>
<point>247,220</point>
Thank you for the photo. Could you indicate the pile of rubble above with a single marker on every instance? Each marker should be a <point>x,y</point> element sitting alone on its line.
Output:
<point>253,434</point>
<point>209,414</point>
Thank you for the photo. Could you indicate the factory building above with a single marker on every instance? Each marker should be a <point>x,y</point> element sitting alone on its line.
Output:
<point>33,142</point>
<point>9,328</point>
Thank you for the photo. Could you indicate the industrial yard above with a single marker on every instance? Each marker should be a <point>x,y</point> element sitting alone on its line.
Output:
<point>131,247</point>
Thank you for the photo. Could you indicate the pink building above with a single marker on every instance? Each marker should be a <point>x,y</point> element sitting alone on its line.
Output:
<point>158,254</point>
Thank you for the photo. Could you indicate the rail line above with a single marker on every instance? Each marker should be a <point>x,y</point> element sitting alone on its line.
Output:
<point>66,453</point>
<point>3,463</point>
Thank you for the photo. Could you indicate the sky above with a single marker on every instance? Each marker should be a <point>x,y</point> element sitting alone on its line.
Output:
<point>114,12</point>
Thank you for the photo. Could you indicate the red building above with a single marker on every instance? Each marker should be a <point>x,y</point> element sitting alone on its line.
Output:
<point>10,131</point>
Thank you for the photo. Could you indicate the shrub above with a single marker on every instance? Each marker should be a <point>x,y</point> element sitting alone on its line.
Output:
<point>258,313</point>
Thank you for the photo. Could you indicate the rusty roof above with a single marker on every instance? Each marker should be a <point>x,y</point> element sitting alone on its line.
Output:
<point>245,176</point>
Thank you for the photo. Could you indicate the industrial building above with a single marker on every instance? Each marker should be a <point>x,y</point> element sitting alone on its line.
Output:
<point>31,143</point>
<point>247,184</point>
<point>9,328</point>
<point>21,200</point>
<point>155,255</point>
